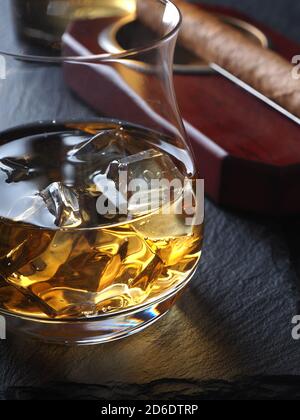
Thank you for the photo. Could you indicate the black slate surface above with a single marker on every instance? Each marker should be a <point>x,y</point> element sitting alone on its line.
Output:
<point>230,334</point>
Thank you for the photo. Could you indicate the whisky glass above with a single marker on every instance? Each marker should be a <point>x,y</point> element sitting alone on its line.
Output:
<point>101,212</point>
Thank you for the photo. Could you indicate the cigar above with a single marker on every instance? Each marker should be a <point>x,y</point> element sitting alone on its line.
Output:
<point>208,37</point>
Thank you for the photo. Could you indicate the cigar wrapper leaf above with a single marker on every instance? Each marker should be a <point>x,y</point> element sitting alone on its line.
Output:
<point>267,73</point>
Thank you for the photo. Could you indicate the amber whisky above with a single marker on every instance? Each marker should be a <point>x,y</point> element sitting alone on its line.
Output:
<point>60,255</point>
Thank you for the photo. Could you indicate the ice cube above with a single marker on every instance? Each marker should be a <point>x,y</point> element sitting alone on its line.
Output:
<point>119,269</point>
<point>27,208</point>
<point>57,204</point>
<point>67,302</point>
<point>16,169</point>
<point>111,201</point>
<point>152,179</point>
<point>103,148</point>
<point>63,203</point>
<point>151,164</point>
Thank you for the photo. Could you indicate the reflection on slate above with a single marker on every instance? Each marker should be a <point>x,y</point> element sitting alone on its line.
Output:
<point>234,321</point>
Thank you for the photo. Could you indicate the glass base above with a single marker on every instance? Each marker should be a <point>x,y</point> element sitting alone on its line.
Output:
<point>90,331</point>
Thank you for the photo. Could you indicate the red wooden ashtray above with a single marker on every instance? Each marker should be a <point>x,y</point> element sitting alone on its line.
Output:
<point>248,153</point>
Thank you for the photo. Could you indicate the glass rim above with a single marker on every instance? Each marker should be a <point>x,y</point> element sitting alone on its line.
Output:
<point>104,56</point>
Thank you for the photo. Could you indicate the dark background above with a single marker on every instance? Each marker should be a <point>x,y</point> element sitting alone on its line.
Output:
<point>228,337</point>
<point>282,15</point>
